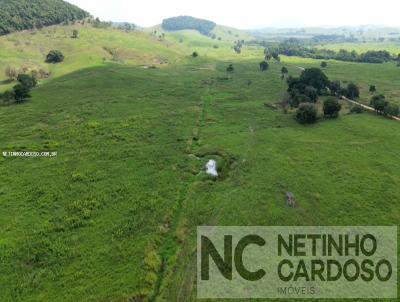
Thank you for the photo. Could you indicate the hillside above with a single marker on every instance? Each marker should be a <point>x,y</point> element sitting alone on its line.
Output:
<point>134,118</point>
<point>18,15</point>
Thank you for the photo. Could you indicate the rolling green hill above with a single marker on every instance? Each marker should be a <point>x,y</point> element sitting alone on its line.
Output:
<point>18,15</point>
<point>113,216</point>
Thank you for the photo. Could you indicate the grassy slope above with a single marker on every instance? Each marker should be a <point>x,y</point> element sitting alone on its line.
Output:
<point>94,223</point>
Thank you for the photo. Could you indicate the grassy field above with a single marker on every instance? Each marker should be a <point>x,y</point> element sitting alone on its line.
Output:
<point>114,215</point>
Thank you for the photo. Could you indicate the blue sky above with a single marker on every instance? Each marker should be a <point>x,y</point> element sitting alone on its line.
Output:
<point>250,13</point>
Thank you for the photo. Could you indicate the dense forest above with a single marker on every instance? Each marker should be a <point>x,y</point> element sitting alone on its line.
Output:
<point>27,14</point>
<point>186,22</point>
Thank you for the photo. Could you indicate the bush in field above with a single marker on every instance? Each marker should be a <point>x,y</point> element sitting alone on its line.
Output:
<point>357,109</point>
<point>27,80</point>
<point>372,88</point>
<point>7,97</point>
<point>264,66</point>
<point>230,68</point>
<point>391,109</point>
<point>306,114</point>
<point>332,107</point>
<point>324,64</point>
<point>195,54</point>
<point>351,91</point>
<point>54,56</point>
<point>21,93</point>
<point>379,102</point>
<point>75,34</point>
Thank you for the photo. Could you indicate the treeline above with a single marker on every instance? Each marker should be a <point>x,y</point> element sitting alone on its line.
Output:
<point>186,22</point>
<point>294,47</point>
<point>18,15</point>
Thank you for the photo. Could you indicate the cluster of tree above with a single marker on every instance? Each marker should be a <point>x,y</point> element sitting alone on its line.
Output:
<point>18,15</point>
<point>97,23</point>
<point>237,47</point>
<point>20,92</point>
<point>304,91</point>
<point>271,54</point>
<point>186,22</point>
<point>294,47</point>
<point>124,26</point>
<point>383,106</point>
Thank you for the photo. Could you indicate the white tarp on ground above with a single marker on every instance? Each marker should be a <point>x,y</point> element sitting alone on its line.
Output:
<point>212,168</point>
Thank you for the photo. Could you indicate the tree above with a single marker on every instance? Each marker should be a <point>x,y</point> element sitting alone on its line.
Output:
<point>195,54</point>
<point>54,56</point>
<point>372,89</point>
<point>21,93</point>
<point>230,68</point>
<point>264,66</point>
<point>391,109</point>
<point>306,114</point>
<point>378,102</point>
<point>11,73</point>
<point>75,34</point>
<point>332,107</point>
<point>324,64</point>
<point>352,91</point>
<point>314,77</point>
<point>27,80</point>
<point>284,70</point>
<point>334,87</point>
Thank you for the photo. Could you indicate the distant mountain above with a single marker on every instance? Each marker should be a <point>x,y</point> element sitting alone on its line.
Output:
<point>205,27</point>
<point>18,15</point>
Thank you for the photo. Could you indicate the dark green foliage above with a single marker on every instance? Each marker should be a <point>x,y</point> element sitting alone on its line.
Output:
<point>296,98</point>
<point>372,88</point>
<point>27,80</point>
<point>21,93</point>
<point>230,68</point>
<point>186,22</point>
<point>195,54</point>
<point>332,107</point>
<point>306,114</point>
<point>284,70</point>
<point>294,47</point>
<point>18,15</point>
<point>264,66</point>
<point>75,34</point>
<point>314,77</point>
<point>391,109</point>
<point>324,64</point>
<point>334,87</point>
<point>357,109</point>
<point>54,56</point>
<point>351,91</point>
<point>7,97</point>
<point>379,102</point>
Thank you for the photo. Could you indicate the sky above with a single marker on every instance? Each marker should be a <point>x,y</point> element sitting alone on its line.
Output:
<point>250,14</point>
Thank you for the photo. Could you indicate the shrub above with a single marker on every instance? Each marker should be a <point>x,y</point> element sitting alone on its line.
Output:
<point>356,109</point>
<point>8,96</point>
<point>324,64</point>
<point>21,93</point>
<point>351,91</point>
<point>332,107</point>
<point>297,98</point>
<point>230,68</point>
<point>75,34</point>
<point>27,80</point>
<point>54,56</point>
<point>195,54</point>
<point>306,114</point>
<point>264,66</point>
<point>391,109</point>
<point>378,102</point>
